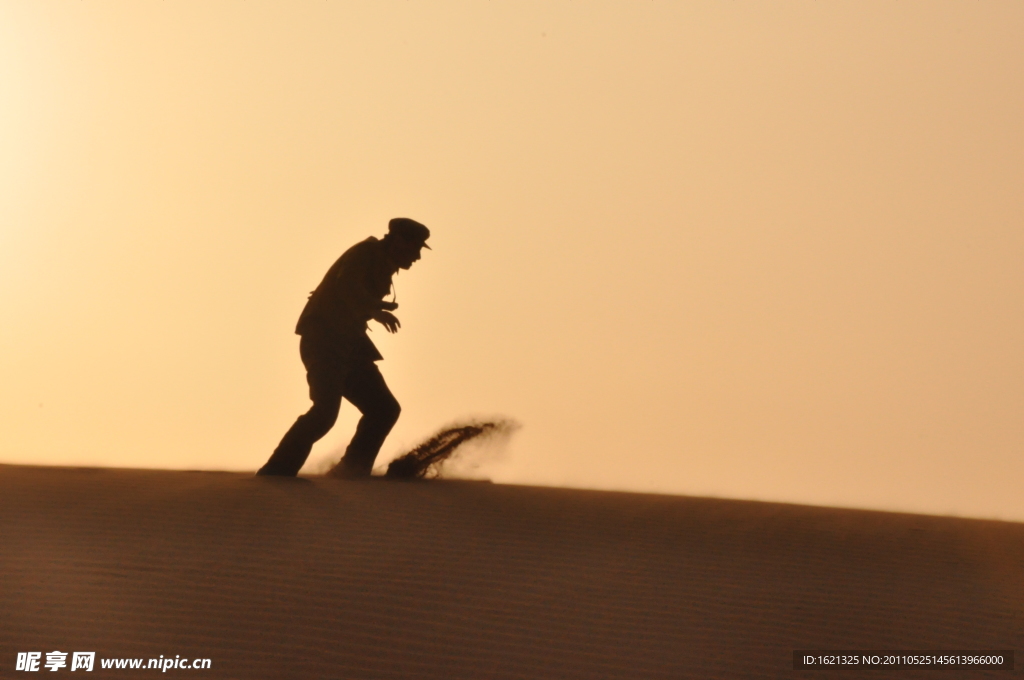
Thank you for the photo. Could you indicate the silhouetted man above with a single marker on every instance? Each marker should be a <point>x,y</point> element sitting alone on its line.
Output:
<point>338,355</point>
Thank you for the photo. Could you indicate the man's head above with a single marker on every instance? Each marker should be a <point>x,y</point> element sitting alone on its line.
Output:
<point>404,240</point>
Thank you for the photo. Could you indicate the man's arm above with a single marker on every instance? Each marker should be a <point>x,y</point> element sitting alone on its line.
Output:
<point>356,287</point>
<point>387,319</point>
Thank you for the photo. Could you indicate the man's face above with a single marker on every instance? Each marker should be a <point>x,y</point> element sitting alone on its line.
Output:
<point>406,252</point>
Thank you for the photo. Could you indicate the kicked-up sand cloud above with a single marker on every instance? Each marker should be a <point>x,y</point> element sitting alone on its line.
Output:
<point>445,452</point>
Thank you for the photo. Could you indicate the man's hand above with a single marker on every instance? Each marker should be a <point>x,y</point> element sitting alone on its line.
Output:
<point>388,320</point>
<point>389,306</point>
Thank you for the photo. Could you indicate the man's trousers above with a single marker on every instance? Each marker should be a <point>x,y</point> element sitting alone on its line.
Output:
<point>333,374</point>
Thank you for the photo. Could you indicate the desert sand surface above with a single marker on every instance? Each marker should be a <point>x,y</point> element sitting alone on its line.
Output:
<point>321,578</point>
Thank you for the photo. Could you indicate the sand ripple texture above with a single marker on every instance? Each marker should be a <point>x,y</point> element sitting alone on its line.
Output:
<point>321,578</point>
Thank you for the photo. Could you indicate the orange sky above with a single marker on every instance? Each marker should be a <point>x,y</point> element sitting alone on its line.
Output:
<point>754,250</point>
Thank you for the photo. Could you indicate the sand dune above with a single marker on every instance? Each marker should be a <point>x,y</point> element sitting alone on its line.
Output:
<point>318,578</point>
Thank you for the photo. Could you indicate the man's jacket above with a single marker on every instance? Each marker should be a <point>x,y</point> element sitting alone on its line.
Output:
<point>349,295</point>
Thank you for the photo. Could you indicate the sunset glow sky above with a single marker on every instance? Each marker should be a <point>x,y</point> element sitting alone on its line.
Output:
<point>750,250</point>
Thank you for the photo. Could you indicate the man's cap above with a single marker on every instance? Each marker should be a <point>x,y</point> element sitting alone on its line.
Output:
<point>410,230</point>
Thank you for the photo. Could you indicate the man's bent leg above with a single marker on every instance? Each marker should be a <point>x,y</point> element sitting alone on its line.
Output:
<point>366,389</point>
<point>296,444</point>
<point>325,373</point>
